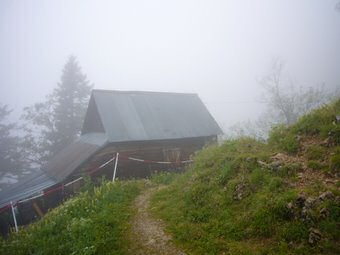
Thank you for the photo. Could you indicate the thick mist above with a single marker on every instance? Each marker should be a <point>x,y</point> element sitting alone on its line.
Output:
<point>218,49</point>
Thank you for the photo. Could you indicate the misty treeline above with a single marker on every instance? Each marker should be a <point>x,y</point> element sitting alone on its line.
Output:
<point>285,103</point>
<point>50,125</point>
<point>47,126</point>
<point>11,158</point>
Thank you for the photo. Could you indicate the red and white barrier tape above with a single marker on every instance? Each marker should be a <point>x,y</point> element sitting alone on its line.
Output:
<point>92,172</point>
<point>57,188</point>
<point>155,162</point>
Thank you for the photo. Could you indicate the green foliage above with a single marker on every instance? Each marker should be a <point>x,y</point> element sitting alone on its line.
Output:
<point>334,161</point>
<point>55,123</point>
<point>320,122</point>
<point>11,160</point>
<point>276,184</point>
<point>163,178</point>
<point>227,203</point>
<point>294,231</point>
<point>90,223</point>
<point>289,169</point>
<point>282,138</point>
<point>315,152</point>
<point>315,165</point>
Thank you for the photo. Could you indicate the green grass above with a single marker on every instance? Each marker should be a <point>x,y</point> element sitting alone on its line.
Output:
<point>334,161</point>
<point>228,203</point>
<point>282,138</point>
<point>201,212</point>
<point>93,222</point>
<point>321,121</point>
<point>315,152</point>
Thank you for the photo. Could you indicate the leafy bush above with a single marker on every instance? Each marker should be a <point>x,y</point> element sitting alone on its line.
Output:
<point>282,138</point>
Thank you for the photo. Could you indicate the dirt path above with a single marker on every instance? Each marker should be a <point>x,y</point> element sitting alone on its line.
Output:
<point>147,235</point>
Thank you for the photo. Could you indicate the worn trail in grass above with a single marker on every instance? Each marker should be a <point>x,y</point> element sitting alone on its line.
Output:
<point>147,233</point>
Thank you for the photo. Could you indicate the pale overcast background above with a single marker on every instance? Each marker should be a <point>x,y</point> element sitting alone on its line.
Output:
<point>218,49</point>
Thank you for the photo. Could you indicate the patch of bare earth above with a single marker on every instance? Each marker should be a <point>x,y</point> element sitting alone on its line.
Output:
<point>147,233</point>
<point>307,176</point>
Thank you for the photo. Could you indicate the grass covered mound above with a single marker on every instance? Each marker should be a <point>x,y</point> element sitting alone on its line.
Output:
<point>93,222</point>
<point>248,197</point>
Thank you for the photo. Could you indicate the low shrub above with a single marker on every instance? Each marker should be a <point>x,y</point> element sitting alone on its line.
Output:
<point>283,139</point>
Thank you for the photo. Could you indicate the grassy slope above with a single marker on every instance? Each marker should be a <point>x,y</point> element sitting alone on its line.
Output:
<point>91,223</point>
<point>239,199</point>
<point>232,201</point>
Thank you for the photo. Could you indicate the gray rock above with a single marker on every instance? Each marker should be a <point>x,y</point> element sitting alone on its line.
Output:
<point>240,191</point>
<point>300,200</point>
<point>324,213</point>
<point>314,236</point>
<point>310,203</point>
<point>326,196</point>
<point>276,165</point>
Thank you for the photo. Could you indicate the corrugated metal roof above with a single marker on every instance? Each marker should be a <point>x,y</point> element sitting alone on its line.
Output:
<point>71,157</point>
<point>34,183</point>
<point>136,116</point>
<point>56,170</point>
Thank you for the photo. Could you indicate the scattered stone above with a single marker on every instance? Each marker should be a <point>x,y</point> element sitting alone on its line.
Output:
<point>279,156</point>
<point>310,202</point>
<point>324,213</point>
<point>300,200</point>
<point>290,205</point>
<point>330,181</point>
<point>303,208</point>
<point>298,138</point>
<point>306,215</point>
<point>326,142</point>
<point>326,195</point>
<point>276,165</point>
<point>262,163</point>
<point>240,191</point>
<point>151,241</point>
<point>337,117</point>
<point>337,199</point>
<point>314,236</point>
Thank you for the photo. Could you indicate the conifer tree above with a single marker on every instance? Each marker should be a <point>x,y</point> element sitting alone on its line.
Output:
<point>55,123</point>
<point>10,157</point>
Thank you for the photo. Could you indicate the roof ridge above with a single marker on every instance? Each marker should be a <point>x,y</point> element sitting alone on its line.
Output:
<point>139,92</point>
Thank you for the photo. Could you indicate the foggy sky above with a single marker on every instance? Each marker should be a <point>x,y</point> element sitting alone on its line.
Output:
<point>218,49</point>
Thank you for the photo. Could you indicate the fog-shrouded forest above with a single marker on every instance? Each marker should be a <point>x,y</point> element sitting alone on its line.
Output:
<point>254,64</point>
